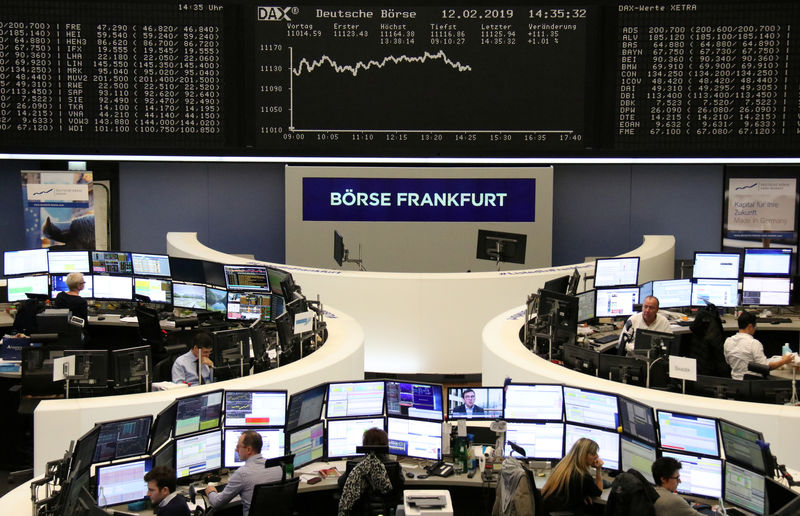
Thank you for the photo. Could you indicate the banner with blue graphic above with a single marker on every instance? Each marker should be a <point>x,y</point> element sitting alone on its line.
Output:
<point>58,209</point>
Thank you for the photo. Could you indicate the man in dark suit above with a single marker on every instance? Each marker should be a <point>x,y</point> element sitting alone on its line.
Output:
<point>468,407</point>
<point>161,482</point>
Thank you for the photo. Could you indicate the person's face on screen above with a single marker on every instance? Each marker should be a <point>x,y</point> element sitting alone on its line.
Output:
<point>469,399</point>
<point>155,494</point>
<point>649,310</point>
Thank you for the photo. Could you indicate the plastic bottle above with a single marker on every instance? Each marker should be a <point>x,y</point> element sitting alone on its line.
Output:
<point>787,350</point>
<point>101,497</point>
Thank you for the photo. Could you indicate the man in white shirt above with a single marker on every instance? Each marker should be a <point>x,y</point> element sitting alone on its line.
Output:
<point>743,348</point>
<point>647,319</point>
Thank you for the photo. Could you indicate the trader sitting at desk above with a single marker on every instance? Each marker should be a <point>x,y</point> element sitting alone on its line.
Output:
<point>666,472</point>
<point>647,319</point>
<point>161,491</point>
<point>185,367</point>
<point>72,300</point>
<point>743,348</point>
<point>468,407</point>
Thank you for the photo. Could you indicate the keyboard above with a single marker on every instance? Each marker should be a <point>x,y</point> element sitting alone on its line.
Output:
<point>606,338</point>
<point>773,320</point>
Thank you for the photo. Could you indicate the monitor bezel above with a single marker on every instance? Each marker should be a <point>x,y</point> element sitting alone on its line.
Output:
<point>218,431</point>
<point>151,274</point>
<point>738,291</point>
<point>427,421</point>
<point>725,483</point>
<point>752,251</point>
<point>719,253</point>
<point>484,417</point>
<point>247,288</point>
<point>539,423</point>
<point>593,293</point>
<point>434,385</point>
<point>116,276</point>
<point>655,442</point>
<point>239,430</point>
<point>661,452</point>
<point>328,398</point>
<point>165,412</point>
<point>224,299</point>
<point>322,406</point>
<point>627,437</point>
<point>598,429</point>
<point>340,420</point>
<point>229,292</point>
<point>189,284</point>
<point>617,258</point>
<point>52,251</point>
<point>202,430</point>
<point>787,279</point>
<point>263,391</point>
<point>25,297</point>
<point>116,457</point>
<point>106,273</point>
<point>194,279</point>
<point>528,384</point>
<point>25,253</point>
<point>660,303</point>
<point>287,445</point>
<point>156,278</point>
<point>591,391</point>
<point>609,289</point>
<point>98,469</point>
<point>688,452</point>
<point>90,436</point>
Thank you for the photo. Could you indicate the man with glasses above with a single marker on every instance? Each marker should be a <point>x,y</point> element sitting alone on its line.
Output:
<point>666,473</point>
<point>469,408</point>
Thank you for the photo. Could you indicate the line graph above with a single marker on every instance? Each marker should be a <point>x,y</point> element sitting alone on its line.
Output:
<point>456,65</point>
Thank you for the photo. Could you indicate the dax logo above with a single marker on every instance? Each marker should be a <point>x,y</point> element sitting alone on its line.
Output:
<point>275,13</point>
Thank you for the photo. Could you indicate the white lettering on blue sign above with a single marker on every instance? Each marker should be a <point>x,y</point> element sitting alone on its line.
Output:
<point>350,198</point>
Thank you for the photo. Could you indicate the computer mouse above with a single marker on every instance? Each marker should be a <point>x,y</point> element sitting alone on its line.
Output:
<point>409,474</point>
<point>101,318</point>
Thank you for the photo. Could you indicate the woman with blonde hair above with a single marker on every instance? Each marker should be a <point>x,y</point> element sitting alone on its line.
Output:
<point>571,486</point>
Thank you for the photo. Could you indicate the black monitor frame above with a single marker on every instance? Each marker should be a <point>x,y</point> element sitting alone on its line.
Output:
<point>188,478</point>
<point>99,277</point>
<point>299,398</point>
<point>592,294</point>
<point>54,251</point>
<point>746,302</point>
<point>627,424</point>
<point>629,370</point>
<point>166,453</point>
<point>696,456</point>
<point>231,353</point>
<point>739,268</point>
<point>686,451</point>
<point>168,281</point>
<point>105,263</point>
<point>608,467</point>
<point>645,342</point>
<point>418,420</point>
<point>338,248</point>
<point>197,286</point>
<point>83,454</point>
<point>433,386</point>
<point>209,289</point>
<point>187,270</point>
<point>498,246</point>
<point>778,392</point>
<point>162,428</point>
<point>580,359</point>
<point>307,427</point>
<point>247,294</point>
<point>148,461</point>
<point>328,415</point>
<point>123,373</point>
<point>187,399</point>
<point>558,314</point>
<point>122,453</point>
<point>166,274</point>
<point>758,250</point>
<point>625,315</point>
<point>238,430</point>
<point>559,285</point>
<point>93,376</point>
<point>245,426</point>
<point>781,500</point>
<point>228,269</point>
<point>574,282</point>
<point>755,443</point>
<point>587,424</point>
<point>337,421</point>
<point>459,390</point>
<point>527,384</point>
<point>213,273</point>
<point>721,388</point>
<point>25,253</point>
<point>600,261</point>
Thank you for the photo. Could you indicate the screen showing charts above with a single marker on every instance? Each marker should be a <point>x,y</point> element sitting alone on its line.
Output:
<point>305,407</point>
<point>541,441</point>
<point>58,283</point>
<point>673,293</point>
<point>150,264</point>
<point>716,265</point>
<point>590,408</point>
<point>742,446</point>
<point>637,420</point>
<point>355,399</point>
<point>27,261</point>
<point>745,489</point>
<point>720,292</point>
<point>413,438</point>
<point>608,442</point>
<point>198,413</point>
<point>113,287</point>
<point>64,262</point>
<point>125,438</point>
<point>586,305</point>
<point>185,295</point>
<point>687,433</point>
<point>767,262</point>
<point>255,408</point>
<point>21,285</point>
<point>122,483</point>
<point>198,454</point>
<point>616,302</point>
<point>757,290</point>
<point>112,262</point>
<point>636,455</point>
<point>531,401</point>
<point>414,400</point>
<point>272,442</point>
<point>616,272</point>
<point>344,435</point>
<point>249,306</point>
<point>307,444</point>
<point>216,300</point>
<point>700,476</point>
<point>158,290</point>
<point>246,277</point>
<point>487,402</point>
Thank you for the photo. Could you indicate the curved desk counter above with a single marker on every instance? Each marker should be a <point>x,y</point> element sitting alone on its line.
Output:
<point>505,356</point>
<point>57,422</point>
<point>420,313</point>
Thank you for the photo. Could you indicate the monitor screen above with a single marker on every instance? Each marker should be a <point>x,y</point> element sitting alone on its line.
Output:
<point>58,283</point>
<point>637,420</point>
<point>162,427</point>
<point>414,438</point>
<point>305,407</point>
<point>21,285</point>
<point>27,261</point>
<point>187,269</point>
<point>541,441</point>
<point>150,265</point>
<point>745,489</point>
<point>185,295</point>
<point>255,408</point>
<point>272,443</point>
<point>637,455</point>
<point>759,290</point>
<point>559,284</point>
<point>688,433</point>
<point>158,290</point>
<point>276,276</point>
<point>91,367</point>
<point>249,306</point>
<point>487,402</point>
<point>83,454</point>
<point>214,273</point>
<point>608,442</point>
<point>767,262</point>
<point>198,454</point>
<point>418,400</point>
<point>123,482</point>
<point>123,438</point>
<point>64,262</point>
<point>112,262</point>
<point>307,444</point>
<point>645,289</point>
<point>630,370</point>
<point>247,277</point>
<point>591,408</point>
<point>645,341</point>
<point>113,287</point>
<point>534,401</point>
<point>231,353</point>
<point>198,413</point>
<point>616,302</point>
<point>131,366</point>
<point>580,359</point>
<point>165,456</point>
<point>700,476</point>
<point>353,399</point>
<point>716,265</point>
<point>672,293</point>
<point>586,305</point>
<point>216,300</point>
<point>616,272</point>
<point>742,445</point>
<point>720,292</point>
<point>344,435</point>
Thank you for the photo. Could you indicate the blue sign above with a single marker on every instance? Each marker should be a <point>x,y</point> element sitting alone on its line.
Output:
<point>419,200</point>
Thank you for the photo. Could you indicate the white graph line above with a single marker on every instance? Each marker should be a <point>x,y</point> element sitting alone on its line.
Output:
<point>380,64</point>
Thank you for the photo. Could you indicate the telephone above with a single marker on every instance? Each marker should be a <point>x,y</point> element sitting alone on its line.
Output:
<point>440,469</point>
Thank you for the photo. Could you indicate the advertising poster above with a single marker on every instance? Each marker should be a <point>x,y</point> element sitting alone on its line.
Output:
<point>58,209</point>
<point>761,207</point>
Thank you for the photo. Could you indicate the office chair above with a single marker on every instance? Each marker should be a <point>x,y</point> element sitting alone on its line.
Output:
<point>150,329</point>
<point>162,371</point>
<point>761,371</point>
<point>373,503</point>
<point>275,498</point>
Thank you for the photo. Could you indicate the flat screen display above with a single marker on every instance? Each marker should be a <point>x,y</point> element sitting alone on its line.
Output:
<point>27,261</point>
<point>534,401</point>
<point>419,400</point>
<point>745,489</point>
<point>742,446</point>
<point>716,265</point>
<point>474,402</point>
<point>249,306</point>
<point>122,483</point>
<point>616,272</point>
<point>591,408</point>
<point>305,406</point>
<point>616,302</point>
<point>162,427</point>
<point>255,408</point>
<point>353,399</point>
<point>767,262</point>
<point>113,287</point>
<point>541,441</point>
<point>759,290</point>
<point>112,262</point>
<point>672,293</point>
<point>150,265</point>
<point>415,438</point>
<point>586,305</point>
<point>645,289</point>
<point>345,435</point>
<point>124,438</point>
<point>185,295</point>
<point>198,413</point>
<point>187,269</point>
<point>700,476</point>
<point>720,292</point>
<point>272,443</point>
<point>307,444</point>
<point>21,285</point>
<point>247,277</point>
<point>688,433</point>
<point>197,454</point>
<point>608,442</point>
<point>64,262</point>
<point>216,300</point>
<point>637,420</point>
<point>637,455</point>
<point>158,290</point>
<point>58,283</point>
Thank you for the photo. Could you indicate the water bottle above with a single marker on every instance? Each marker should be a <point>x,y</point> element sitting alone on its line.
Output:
<point>786,350</point>
<point>101,497</point>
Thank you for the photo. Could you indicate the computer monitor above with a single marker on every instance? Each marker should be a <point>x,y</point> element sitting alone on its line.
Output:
<point>307,444</point>
<point>672,293</point>
<point>276,276</point>
<point>288,286</point>
<point>558,285</point>
<point>499,246</point>
<point>255,409</point>
<point>721,388</point>
<point>272,443</point>
<point>122,482</point>
<point>616,272</point>
<point>744,446</point>
<point>586,305</point>
<point>637,455</point>
<point>91,368</point>
<point>637,420</point>
<point>574,282</point>
<point>278,306</point>
<point>761,291</point>
<point>560,313</point>
<point>541,441</point>
<point>688,433</point>
<point>745,489</point>
<point>655,343</point>
<point>64,262</point>
<point>344,435</point>
<point>615,302</point>
<point>338,248</point>
<point>580,359</point>
<point>353,399</point>
<point>216,300</point>
<point>607,440</point>
<point>72,494</point>
<point>781,500</point>
<point>58,283</point>
<point>150,265</point>
<point>187,269</point>
<point>83,454</point>
<point>214,273</point>
<point>716,265</point>
<point>198,454</point>
<point>157,290</point>
<point>488,399</point>
<point>248,306</point>
<point>720,292</point>
<point>186,295</point>
<point>630,370</point>
<point>297,304</point>
<point>415,438</point>
<point>198,413</point>
<point>305,407</point>
<point>122,439</point>
<point>26,261</point>
<point>231,353</point>
<point>767,262</point>
<point>131,367</point>
<point>113,287</point>
<point>162,427</point>
<point>247,277</point>
<point>413,399</point>
<point>21,285</point>
<point>778,392</point>
<point>543,402</point>
<point>645,290</point>
<point>165,456</point>
<point>112,262</point>
<point>289,345</point>
<point>591,408</point>
<point>700,476</point>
